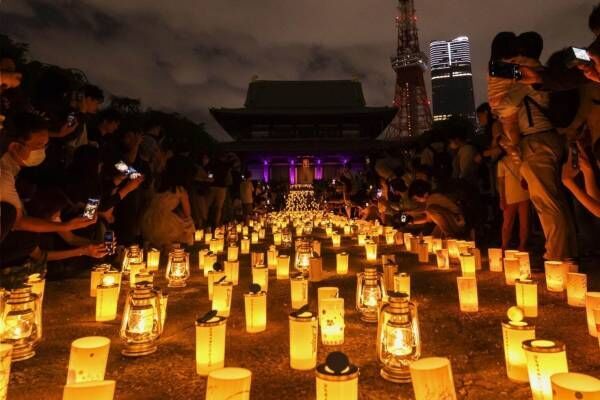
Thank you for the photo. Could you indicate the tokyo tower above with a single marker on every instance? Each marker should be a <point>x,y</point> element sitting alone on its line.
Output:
<point>409,63</point>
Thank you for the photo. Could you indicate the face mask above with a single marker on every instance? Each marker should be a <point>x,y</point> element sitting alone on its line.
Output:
<point>36,157</point>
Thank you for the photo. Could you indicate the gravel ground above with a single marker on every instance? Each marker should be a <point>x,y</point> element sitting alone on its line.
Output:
<point>473,342</point>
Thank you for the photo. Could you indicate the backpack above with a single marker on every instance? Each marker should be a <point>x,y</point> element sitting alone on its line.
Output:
<point>562,108</point>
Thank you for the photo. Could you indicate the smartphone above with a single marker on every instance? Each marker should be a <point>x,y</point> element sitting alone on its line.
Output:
<point>404,218</point>
<point>210,175</point>
<point>500,69</point>
<point>379,193</point>
<point>578,56</point>
<point>71,119</point>
<point>90,208</point>
<point>574,156</point>
<point>131,172</point>
<point>110,242</point>
<point>121,167</point>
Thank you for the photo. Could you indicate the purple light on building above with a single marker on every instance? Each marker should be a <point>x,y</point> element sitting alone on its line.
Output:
<point>266,171</point>
<point>292,172</point>
<point>318,170</point>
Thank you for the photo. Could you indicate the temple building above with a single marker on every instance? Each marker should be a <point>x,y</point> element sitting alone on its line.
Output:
<point>301,131</point>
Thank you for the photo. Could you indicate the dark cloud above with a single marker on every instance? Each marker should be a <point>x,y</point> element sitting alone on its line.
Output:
<point>189,55</point>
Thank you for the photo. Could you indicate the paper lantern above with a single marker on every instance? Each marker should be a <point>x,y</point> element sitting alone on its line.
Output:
<point>303,340</point>
<point>255,307</point>
<point>556,275</point>
<point>526,291</point>
<point>316,245</point>
<point>315,269</point>
<point>209,261</point>
<point>21,322</point>
<point>198,234</point>
<point>432,379</point>
<point>134,270</point>
<point>402,283</point>
<point>201,254</point>
<point>254,237</point>
<point>573,386</point>
<point>337,379</point>
<point>592,302</point>
<point>347,230</point>
<point>245,245</point>
<point>341,263</point>
<point>213,278</point>
<point>221,301</point>
<point>512,270</point>
<point>229,384</point>
<point>233,252</point>
<point>576,289</point>
<point>299,291</point>
<point>398,342</point>
<point>283,266</point>
<point>510,253</point>
<point>514,333</point>
<point>214,245</point>
<point>326,292</point>
<point>103,390</point>
<point>436,244</point>
<point>260,276</point>
<point>336,239</point>
<point>245,230</point>
<point>257,257</point>
<point>467,264</point>
<point>370,290</point>
<point>232,271</point>
<point>361,239</point>
<point>443,260</point>
<point>399,238</point>
<point>453,250</point>
<point>262,233</point>
<point>207,237</point>
<point>495,259</point>
<point>390,237</point>
<point>371,250</point>
<point>524,262</point>
<point>477,254</point>
<point>467,293</point>
<point>388,259</point>
<point>178,268</point>
<point>153,259</point>
<point>88,358</point>
<point>272,258</point>
<point>414,245</point>
<point>544,359</point>
<point>107,298</point>
<point>96,276</point>
<point>331,321</point>
<point>406,239</point>
<point>389,270</point>
<point>141,325</point>
<point>277,238</point>
<point>573,267</point>
<point>423,252</point>
<point>210,343</point>
<point>5,361</point>
<point>329,230</point>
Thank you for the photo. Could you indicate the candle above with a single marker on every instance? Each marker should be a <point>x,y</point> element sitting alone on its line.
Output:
<point>207,238</point>
<point>331,321</point>
<point>232,271</point>
<point>527,297</point>
<point>544,359</point>
<point>299,291</point>
<point>371,250</point>
<point>233,252</point>
<point>198,235</point>
<point>572,386</point>
<point>556,275</point>
<point>88,358</point>
<point>283,266</point>
<point>260,276</point>
<point>336,239</point>
<point>277,238</point>
<point>512,270</point>
<point>361,238</point>
<point>254,238</point>
<point>467,293</point>
<point>210,343</point>
<point>107,297</point>
<point>495,259</point>
<point>432,379</point>
<point>514,333</point>
<point>576,289</point>
<point>303,340</point>
<point>341,260</point>
<point>255,307</point>
<point>102,390</point>
<point>229,384</point>
<point>592,302</point>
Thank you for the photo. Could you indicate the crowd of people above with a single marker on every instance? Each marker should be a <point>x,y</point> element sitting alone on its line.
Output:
<point>74,172</point>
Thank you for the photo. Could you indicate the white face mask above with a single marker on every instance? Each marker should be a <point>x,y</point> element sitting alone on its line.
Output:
<point>36,157</point>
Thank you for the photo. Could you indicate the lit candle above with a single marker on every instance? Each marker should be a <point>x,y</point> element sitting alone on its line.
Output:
<point>107,297</point>
<point>153,259</point>
<point>232,271</point>
<point>221,301</point>
<point>245,230</point>
<point>514,333</point>
<point>556,275</point>
<point>453,251</point>
<point>524,263</point>
<point>337,379</point>
<point>570,386</point>
<point>257,257</point>
<point>262,233</point>
<point>361,238</point>
<point>402,283</point>
<point>390,237</point>
<point>467,264</point>
<point>576,289</point>
<point>592,302</point>
<point>88,358</point>
<point>443,260</point>
<point>341,266</point>
<point>207,238</point>
<point>512,270</point>
<point>260,276</point>
<point>526,291</point>
<point>495,259</point>
<point>210,343</point>
<point>229,384</point>
<point>432,379</point>
<point>467,293</point>
<point>336,239</point>
<point>303,340</point>
<point>102,390</point>
<point>299,291</point>
<point>544,359</point>
<point>255,307</point>
<point>331,321</point>
<point>283,266</point>
<point>233,253</point>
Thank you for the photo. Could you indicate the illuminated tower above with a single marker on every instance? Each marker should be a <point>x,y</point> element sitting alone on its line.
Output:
<point>414,116</point>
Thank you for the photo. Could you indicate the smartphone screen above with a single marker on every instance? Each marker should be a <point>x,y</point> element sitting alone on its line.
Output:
<point>122,167</point>
<point>403,218</point>
<point>90,208</point>
<point>581,54</point>
<point>501,69</point>
<point>71,119</point>
<point>109,242</point>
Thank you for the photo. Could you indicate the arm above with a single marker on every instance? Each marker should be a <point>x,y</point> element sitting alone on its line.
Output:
<point>185,204</point>
<point>95,251</point>
<point>73,240</point>
<point>589,177</point>
<point>64,130</point>
<point>568,178</point>
<point>38,225</point>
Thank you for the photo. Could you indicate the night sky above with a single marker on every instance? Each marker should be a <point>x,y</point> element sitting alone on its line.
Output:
<point>188,55</point>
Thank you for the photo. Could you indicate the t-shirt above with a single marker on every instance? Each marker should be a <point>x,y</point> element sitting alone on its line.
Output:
<point>9,169</point>
<point>440,200</point>
<point>513,189</point>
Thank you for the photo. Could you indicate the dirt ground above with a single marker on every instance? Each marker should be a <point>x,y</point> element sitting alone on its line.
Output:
<point>473,342</point>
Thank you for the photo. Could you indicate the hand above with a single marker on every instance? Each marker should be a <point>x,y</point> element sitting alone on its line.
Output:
<point>10,80</point>
<point>95,250</point>
<point>67,129</point>
<point>592,72</point>
<point>79,223</point>
<point>529,76</point>
<point>568,172</point>
<point>502,203</point>
<point>108,216</point>
<point>133,184</point>
<point>584,162</point>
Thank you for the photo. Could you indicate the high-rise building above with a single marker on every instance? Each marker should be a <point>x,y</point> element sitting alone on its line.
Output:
<point>451,78</point>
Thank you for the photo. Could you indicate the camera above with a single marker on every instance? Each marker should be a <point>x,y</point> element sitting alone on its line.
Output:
<point>500,69</point>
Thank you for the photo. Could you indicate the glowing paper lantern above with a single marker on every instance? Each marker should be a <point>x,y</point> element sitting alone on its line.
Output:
<point>245,245</point>
<point>526,291</point>
<point>423,252</point>
<point>201,254</point>
<point>336,239</point>
<point>371,250</point>
<point>210,343</point>
<point>370,290</point>
<point>260,276</point>
<point>402,283</point>
<point>303,340</point>
<point>361,238</point>
<point>134,270</point>
<point>414,245</point>
<point>436,244</point>
<point>592,302</point>
<point>229,384</point>
<point>524,262</point>
<point>107,298</point>
<point>316,245</point>
<point>283,266</point>
<point>96,276</point>
<point>315,269</point>
<point>5,361</point>
<point>406,239</point>
<point>341,266</point>
<point>432,379</point>
<point>255,307</point>
<point>495,259</point>
<point>576,289</point>
<point>103,390</point>
<point>153,259</point>
<point>198,234</point>
<point>573,386</point>
<point>142,322</point>
<point>544,359</point>
<point>337,379</point>
<point>389,270</point>
<point>272,254</point>
<point>326,292</point>
<point>467,264</point>
<point>443,260</point>
<point>210,260</point>
<point>512,270</point>
<point>257,257</point>
<point>453,251</point>
<point>556,275</point>
<point>467,293</point>
<point>88,358</point>
<point>390,237</point>
<point>399,238</point>
<point>233,252</point>
<point>254,238</point>
<point>213,278</point>
<point>277,238</point>
<point>514,333</point>
<point>221,301</point>
<point>331,321</point>
<point>299,291</point>
<point>214,245</point>
<point>232,271</point>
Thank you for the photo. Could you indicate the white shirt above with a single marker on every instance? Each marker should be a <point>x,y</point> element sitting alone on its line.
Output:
<point>9,169</point>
